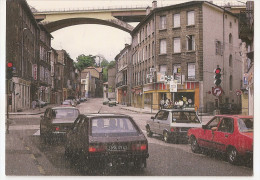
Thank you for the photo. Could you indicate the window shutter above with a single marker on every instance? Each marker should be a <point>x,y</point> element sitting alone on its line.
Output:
<point>191,18</point>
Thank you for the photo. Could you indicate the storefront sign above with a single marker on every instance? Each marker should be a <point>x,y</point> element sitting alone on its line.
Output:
<point>173,86</point>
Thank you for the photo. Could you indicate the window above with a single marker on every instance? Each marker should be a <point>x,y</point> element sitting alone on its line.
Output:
<point>163,69</point>
<point>218,48</point>
<point>163,46</point>
<point>230,60</point>
<point>162,22</point>
<point>190,18</point>
<point>190,43</point>
<point>177,72</point>
<point>176,20</point>
<point>226,125</point>
<point>230,38</point>
<point>213,123</point>
<point>230,24</point>
<point>230,83</point>
<point>162,115</point>
<point>176,45</point>
<point>191,71</point>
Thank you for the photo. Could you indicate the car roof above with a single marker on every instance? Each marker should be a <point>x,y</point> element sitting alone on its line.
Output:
<point>234,116</point>
<point>179,110</point>
<point>105,115</point>
<point>64,107</point>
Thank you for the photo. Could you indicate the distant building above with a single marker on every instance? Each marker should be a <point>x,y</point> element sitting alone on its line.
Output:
<point>246,34</point>
<point>123,60</point>
<point>92,82</point>
<point>111,78</point>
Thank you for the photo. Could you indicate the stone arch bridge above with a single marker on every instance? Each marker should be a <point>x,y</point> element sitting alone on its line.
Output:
<point>118,18</point>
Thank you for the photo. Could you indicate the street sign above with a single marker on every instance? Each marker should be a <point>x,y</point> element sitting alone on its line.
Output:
<point>173,86</point>
<point>217,91</point>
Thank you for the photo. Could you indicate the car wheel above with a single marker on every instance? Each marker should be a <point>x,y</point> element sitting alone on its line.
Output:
<point>194,145</point>
<point>232,155</point>
<point>149,132</point>
<point>166,136</point>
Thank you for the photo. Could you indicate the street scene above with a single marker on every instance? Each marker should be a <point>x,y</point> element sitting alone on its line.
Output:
<point>141,89</point>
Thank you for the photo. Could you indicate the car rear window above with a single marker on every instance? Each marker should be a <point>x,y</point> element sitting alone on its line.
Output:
<point>113,127</point>
<point>185,117</point>
<point>65,113</point>
<point>245,124</point>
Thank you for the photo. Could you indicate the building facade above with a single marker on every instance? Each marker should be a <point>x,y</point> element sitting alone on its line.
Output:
<point>246,33</point>
<point>175,50</point>
<point>22,49</point>
<point>122,76</point>
<point>111,79</point>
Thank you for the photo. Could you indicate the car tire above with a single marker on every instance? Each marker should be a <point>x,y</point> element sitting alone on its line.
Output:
<point>166,136</point>
<point>194,145</point>
<point>149,132</point>
<point>232,155</point>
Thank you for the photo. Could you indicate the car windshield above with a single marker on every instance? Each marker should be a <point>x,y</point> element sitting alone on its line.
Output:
<point>245,124</point>
<point>113,126</point>
<point>65,113</point>
<point>185,117</point>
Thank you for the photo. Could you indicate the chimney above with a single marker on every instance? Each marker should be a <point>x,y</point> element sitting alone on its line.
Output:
<point>154,5</point>
<point>148,10</point>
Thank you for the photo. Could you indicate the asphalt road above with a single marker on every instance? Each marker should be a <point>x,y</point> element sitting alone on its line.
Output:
<point>166,159</point>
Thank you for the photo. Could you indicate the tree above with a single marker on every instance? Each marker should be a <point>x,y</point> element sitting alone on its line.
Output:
<point>111,64</point>
<point>104,63</point>
<point>84,61</point>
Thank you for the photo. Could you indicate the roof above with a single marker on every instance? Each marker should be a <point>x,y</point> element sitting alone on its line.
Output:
<point>105,115</point>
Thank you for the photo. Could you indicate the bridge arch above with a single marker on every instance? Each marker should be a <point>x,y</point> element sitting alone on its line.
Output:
<point>59,24</point>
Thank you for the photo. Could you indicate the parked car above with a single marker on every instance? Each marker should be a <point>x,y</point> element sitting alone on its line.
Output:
<point>112,102</point>
<point>172,124</point>
<point>40,103</point>
<point>229,108</point>
<point>78,101</point>
<point>66,103</point>
<point>107,140</point>
<point>57,121</point>
<point>83,99</point>
<point>105,101</point>
<point>230,134</point>
<point>72,102</point>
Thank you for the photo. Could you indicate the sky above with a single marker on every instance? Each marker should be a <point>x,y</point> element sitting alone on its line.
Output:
<point>96,39</point>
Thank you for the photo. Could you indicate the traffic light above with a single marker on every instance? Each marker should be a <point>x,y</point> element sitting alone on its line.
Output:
<point>217,77</point>
<point>9,70</point>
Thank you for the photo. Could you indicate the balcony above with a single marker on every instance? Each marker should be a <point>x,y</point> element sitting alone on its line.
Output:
<point>246,25</point>
<point>121,83</point>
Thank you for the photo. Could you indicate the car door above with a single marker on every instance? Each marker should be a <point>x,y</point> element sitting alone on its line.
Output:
<point>205,138</point>
<point>223,134</point>
<point>156,121</point>
<point>164,122</point>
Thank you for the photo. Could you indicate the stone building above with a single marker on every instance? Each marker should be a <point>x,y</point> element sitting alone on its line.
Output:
<point>246,34</point>
<point>180,46</point>
<point>111,79</point>
<point>122,76</point>
<point>22,49</point>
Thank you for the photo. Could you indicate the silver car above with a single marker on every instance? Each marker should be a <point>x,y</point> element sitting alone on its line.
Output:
<point>173,124</point>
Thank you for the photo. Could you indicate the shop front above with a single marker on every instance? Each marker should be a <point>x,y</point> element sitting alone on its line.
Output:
<point>137,95</point>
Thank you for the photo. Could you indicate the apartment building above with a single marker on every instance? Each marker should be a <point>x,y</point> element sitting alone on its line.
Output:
<point>175,51</point>
<point>122,76</point>
<point>246,34</point>
<point>22,41</point>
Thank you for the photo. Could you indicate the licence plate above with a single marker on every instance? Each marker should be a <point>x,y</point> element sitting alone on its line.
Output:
<point>117,148</point>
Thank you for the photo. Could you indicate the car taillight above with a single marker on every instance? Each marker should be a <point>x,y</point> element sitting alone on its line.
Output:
<point>174,129</point>
<point>96,148</point>
<point>57,128</point>
<point>139,147</point>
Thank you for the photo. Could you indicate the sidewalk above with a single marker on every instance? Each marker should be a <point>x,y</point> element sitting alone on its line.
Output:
<point>144,110</point>
<point>33,112</point>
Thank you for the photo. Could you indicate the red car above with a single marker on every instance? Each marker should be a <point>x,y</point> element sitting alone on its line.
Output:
<point>231,134</point>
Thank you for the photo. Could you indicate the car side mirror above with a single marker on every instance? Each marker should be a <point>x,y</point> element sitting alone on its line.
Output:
<point>153,117</point>
<point>204,126</point>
